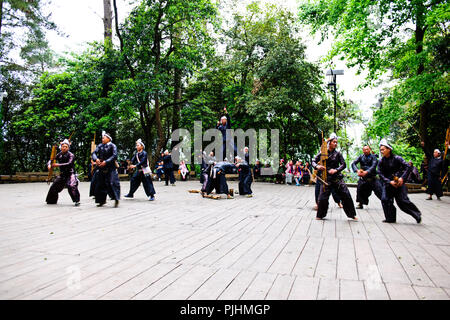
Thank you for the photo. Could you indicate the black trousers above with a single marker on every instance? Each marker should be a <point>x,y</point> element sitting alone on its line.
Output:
<point>93,183</point>
<point>434,185</point>
<point>333,193</point>
<point>136,180</point>
<point>343,193</point>
<point>279,178</point>
<point>245,185</point>
<point>107,183</point>
<point>365,188</point>
<point>59,184</point>
<point>204,178</point>
<point>219,183</point>
<point>389,193</point>
<point>168,175</point>
<point>305,179</point>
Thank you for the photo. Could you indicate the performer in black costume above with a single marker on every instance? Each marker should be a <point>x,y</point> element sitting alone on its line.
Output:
<point>107,180</point>
<point>436,167</point>
<point>334,165</point>
<point>367,177</point>
<point>217,179</point>
<point>142,174</point>
<point>168,169</point>
<point>223,125</point>
<point>208,163</point>
<point>245,177</point>
<point>393,171</point>
<point>66,178</point>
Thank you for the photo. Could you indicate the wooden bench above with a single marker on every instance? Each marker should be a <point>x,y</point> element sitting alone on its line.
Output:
<point>178,175</point>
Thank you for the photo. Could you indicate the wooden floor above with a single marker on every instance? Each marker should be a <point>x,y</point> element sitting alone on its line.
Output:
<point>184,247</point>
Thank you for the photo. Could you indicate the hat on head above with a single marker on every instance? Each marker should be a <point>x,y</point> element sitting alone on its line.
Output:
<point>140,142</point>
<point>66,141</point>
<point>384,143</point>
<point>104,134</point>
<point>332,137</point>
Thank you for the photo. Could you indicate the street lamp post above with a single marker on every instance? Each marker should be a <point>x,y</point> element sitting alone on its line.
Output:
<point>2,95</point>
<point>332,84</point>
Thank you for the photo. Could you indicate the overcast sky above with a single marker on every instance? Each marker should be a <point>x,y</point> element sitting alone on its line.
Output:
<point>81,22</point>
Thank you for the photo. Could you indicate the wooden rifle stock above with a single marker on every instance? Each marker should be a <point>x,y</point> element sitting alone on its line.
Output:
<point>52,161</point>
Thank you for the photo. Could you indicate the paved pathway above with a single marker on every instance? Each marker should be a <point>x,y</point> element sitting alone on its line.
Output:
<point>184,247</point>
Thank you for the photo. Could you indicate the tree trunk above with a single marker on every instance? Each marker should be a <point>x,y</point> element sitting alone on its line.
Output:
<point>176,99</point>
<point>159,128</point>
<point>420,35</point>
<point>1,16</point>
<point>107,21</point>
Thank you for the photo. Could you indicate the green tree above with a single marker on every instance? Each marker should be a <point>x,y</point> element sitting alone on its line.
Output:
<point>405,39</point>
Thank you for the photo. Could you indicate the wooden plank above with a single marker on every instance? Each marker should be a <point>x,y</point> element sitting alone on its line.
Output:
<point>352,290</point>
<point>428,293</point>
<point>281,287</point>
<point>307,261</point>
<point>328,289</point>
<point>238,286</point>
<point>346,262</point>
<point>186,285</point>
<point>388,264</point>
<point>260,286</point>
<point>215,285</point>
<point>304,289</point>
<point>326,266</point>
<point>401,291</point>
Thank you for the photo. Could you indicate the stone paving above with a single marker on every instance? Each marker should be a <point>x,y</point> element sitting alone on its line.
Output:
<point>184,247</point>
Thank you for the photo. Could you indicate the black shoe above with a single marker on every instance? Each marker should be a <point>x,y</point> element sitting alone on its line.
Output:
<point>101,204</point>
<point>419,219</point>
<point>429,198</point>
<point>359,206</point>
<point>385,221</point>
<point>116,203</point>
<point>128,196</point>
<point>77,204</point>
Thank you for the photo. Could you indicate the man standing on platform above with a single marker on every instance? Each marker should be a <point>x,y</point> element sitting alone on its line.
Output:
<point>142,174</point>
<point>436,166</point>
<point>393,171</point>
<point>222,126</point>
<point>105,156</point>
<point>334,165</point>
<point>367,177</point>
<point>168,168</point>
